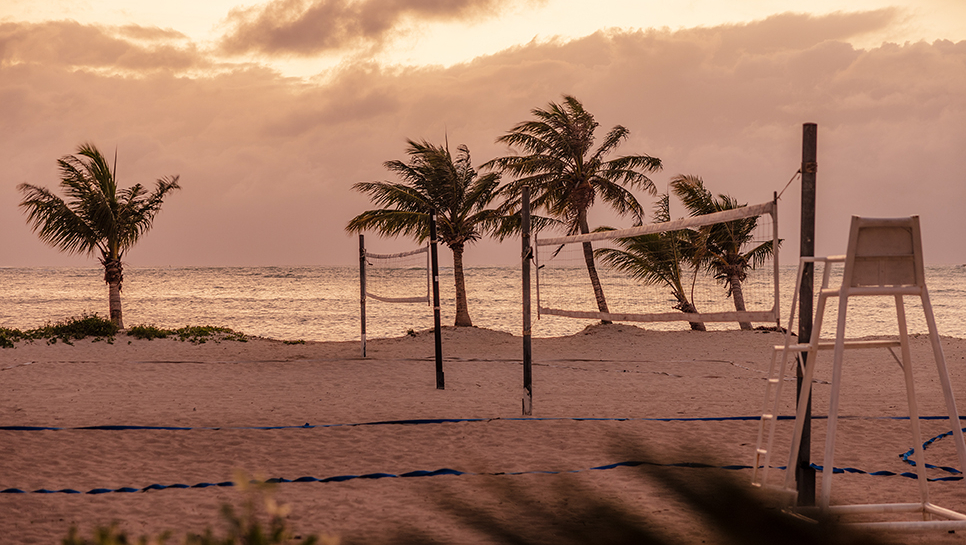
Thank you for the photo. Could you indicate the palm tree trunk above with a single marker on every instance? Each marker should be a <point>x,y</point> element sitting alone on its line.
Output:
<point>688,308</point>
<point>697,326</point>
<point>462,308</point>
<point>739,297</point>
<point>114,297</point>
<point>592,269</point>
<point>113,275</point>
<point>684,305</point>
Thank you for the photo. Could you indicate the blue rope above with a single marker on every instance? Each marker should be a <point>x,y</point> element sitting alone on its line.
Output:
<point>426,421</point>
<point>446,471</point>
<point>444,421</point>
<point>907,456</point>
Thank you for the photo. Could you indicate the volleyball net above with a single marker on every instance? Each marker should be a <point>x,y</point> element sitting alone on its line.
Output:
<point>719,267</point>
<point>403,277</point>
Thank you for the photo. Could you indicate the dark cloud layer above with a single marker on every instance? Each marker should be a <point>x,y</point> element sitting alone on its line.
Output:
<point>68,43</point>
<point>307,27</point>
<point>267,163</point>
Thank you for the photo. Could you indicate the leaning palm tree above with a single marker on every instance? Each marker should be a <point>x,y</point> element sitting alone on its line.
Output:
<point>434,180</point>
<point>97,216</point>
<point>567,175</point>
<point>723,249</point>
<point>659,259</point>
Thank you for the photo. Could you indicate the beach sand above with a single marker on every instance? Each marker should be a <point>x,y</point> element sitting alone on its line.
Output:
<point>643,386</point>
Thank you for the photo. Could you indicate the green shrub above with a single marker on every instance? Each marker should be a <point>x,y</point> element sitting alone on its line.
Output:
<point>89,325</point>
<point>149,332</point>
<point>10,336</point>
<point>201,334</point>
<point>66,331</point>
<point>92,325</point>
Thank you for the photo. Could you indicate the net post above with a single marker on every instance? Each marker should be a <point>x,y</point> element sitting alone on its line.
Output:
<point>527,256</point>
<point>440,382</point>
<point>804,473</point>
<point>362,290</point>
<point>775,267</point>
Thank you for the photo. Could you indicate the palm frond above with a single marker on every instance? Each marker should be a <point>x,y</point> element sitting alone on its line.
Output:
<point>432,178</point>
<point>556,160</point>
<point>95,215</point>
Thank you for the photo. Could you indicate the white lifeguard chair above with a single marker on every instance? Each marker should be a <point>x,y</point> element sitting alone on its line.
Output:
<point>884,258</point>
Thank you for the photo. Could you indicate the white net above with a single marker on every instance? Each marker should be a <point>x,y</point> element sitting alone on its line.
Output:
<point>399,278</point>
<point>679,270</point>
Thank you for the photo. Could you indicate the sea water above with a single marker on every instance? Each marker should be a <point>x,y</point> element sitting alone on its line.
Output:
<point>323,303</point>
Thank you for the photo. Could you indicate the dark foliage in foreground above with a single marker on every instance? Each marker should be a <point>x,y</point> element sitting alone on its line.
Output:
<point>576,515</point>
<point>504,511</point>
<point>259,521</point>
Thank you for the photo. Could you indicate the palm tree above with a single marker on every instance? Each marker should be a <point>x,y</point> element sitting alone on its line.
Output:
<point>723,249</point>
<point>434,180</point>
<point>656,259</point>
<point>96,215</point>
<point>566,175</point>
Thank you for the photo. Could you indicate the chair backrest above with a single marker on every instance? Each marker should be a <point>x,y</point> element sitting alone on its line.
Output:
<point>884,252</point>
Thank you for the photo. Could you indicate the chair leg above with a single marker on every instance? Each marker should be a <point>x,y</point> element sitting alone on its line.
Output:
<point>828,462</point>
<point>937,350</point>
<point>915,428</point>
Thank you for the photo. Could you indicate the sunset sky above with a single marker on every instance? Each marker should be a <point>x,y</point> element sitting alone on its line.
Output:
<point>270,111</point>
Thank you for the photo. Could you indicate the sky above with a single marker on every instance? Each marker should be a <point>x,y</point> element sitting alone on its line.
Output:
<point>270,111</point>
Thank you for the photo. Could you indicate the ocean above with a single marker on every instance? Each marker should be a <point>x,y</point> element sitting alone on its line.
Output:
<point>323,303</point>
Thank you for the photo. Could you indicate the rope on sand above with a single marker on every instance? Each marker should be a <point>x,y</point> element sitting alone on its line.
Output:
<point>906,457</point>
<point>440,472</point>
<point>415,421</point>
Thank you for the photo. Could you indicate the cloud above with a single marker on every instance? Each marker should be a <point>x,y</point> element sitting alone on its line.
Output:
<point>267,162</point>
<point>71,44</point>
<point>308,27</point>
<point>138,32</point>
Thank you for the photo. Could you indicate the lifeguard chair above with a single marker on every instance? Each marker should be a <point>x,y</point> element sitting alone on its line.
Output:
<point>884,258</point>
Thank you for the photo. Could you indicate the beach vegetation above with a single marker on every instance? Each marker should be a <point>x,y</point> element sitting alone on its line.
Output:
<point>148,332</point>
<point>566,174</point>
<point>102,329</point>
<point>722,248</point>
<point>192,334</point>
<point>434,179</point>
<point>96,217</point>
<point>667,258</point>
<point>8,337</point>
<point>65,331</point>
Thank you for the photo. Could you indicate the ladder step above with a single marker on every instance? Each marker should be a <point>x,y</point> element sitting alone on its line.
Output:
<point>761,451</point>
<point>829,345</point>
<point>767,416</point>
<point>792,493</point>
<point>774,380</point>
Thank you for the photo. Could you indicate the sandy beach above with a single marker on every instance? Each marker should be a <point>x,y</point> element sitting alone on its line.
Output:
<point>600,397</point>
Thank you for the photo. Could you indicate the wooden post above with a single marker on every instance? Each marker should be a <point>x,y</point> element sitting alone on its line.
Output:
<point>804,473</point>
<point>362,289</point>
<point>527,257</point>
<point>440,382</point>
